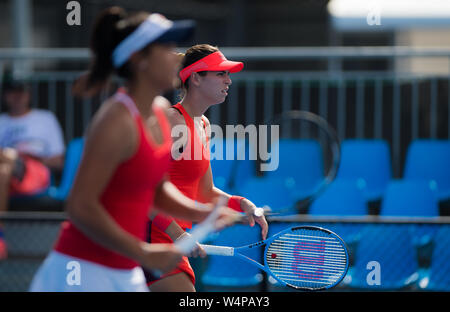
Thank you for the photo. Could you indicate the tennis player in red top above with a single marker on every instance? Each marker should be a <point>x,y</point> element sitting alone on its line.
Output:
<point>125,160</point>
<point>205,77</point>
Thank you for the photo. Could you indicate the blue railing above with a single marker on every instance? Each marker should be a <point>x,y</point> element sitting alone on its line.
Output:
<point>385,253</point>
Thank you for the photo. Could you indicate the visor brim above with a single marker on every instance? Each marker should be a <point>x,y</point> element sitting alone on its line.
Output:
<point>180,32</point>
<point>231,66</point>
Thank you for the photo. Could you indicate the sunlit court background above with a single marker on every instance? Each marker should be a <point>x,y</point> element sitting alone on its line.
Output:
<point>377,71</point>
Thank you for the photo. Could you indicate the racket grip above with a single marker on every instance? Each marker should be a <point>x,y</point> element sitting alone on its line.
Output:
<point>186,245</point>
<point>218,250</point>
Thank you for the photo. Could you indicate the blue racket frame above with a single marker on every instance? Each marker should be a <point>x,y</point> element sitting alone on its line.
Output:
<point>267,243</point>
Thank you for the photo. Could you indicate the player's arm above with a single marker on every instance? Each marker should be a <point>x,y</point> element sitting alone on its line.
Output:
<point>111,140</point>
<point>208,192</point>
<point>167,197</point>
<point>168,225</point>
<point>179,131</point>
<point>172,202</point>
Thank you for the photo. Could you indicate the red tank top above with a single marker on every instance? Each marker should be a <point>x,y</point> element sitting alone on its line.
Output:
<point>186,171</point>
<point>128,196</point>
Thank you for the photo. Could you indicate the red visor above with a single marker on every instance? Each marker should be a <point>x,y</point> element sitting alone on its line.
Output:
<point>213,62</point>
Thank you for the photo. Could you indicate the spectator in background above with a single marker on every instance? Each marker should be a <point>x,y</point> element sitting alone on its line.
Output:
<point>31,145</point>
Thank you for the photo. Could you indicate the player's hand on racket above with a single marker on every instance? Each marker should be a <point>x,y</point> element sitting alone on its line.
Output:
<point>198,250</point>
<point>225,216</point>
<point>254,214</point>
<point>160,257</point>
<point>217,218</point>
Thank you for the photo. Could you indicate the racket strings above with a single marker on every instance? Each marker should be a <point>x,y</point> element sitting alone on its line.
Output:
<point>306,252</point>
<point>311,246</point>
<point>305,260</point>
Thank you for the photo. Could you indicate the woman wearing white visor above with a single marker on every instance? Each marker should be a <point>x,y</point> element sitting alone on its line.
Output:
<point>122,173</point>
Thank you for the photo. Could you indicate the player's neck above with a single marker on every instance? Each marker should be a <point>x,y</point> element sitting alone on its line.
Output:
<point>143,98</point>
<point>194,105</point>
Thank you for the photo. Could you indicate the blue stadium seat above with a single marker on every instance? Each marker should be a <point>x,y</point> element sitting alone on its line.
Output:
<point>438,276</point>
<point>368,162</point>
<point>300,164</point>
<point>231,171</point>
<point>429,160</point>
<point>390,247</point>
<point>269,192</point>
<point>230,271</point>
<point>341,198</point>
<point>423,236</point>
<point>71,163</point>
<point>413,198</point>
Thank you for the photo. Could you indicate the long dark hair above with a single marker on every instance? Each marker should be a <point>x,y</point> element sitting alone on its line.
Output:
<point>111,27</point>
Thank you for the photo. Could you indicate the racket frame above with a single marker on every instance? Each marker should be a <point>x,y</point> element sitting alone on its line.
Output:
<point>335,148</point>
<point>235,252</point>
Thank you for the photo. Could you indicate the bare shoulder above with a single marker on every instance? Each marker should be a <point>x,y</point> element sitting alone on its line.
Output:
<point>112,114</point>
<point>161,102</point>
<point>112,127</point>
<point>174,116</point>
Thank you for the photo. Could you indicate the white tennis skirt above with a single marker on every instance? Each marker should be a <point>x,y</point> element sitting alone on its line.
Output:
<point>63,273</point>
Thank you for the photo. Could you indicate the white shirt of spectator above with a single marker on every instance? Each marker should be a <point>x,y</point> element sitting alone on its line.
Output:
<point>37,133</point>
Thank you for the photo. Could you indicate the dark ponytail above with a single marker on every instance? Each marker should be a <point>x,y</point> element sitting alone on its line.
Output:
<point>110,28</point>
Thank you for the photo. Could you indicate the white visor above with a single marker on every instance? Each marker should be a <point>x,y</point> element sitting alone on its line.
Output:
<point>154,27</point>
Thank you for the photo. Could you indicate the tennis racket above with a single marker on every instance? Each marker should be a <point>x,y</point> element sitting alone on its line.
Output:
<point>188,243</point>
<point>309,155</point>
<point>303,257</point>
<point>202,230</point>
